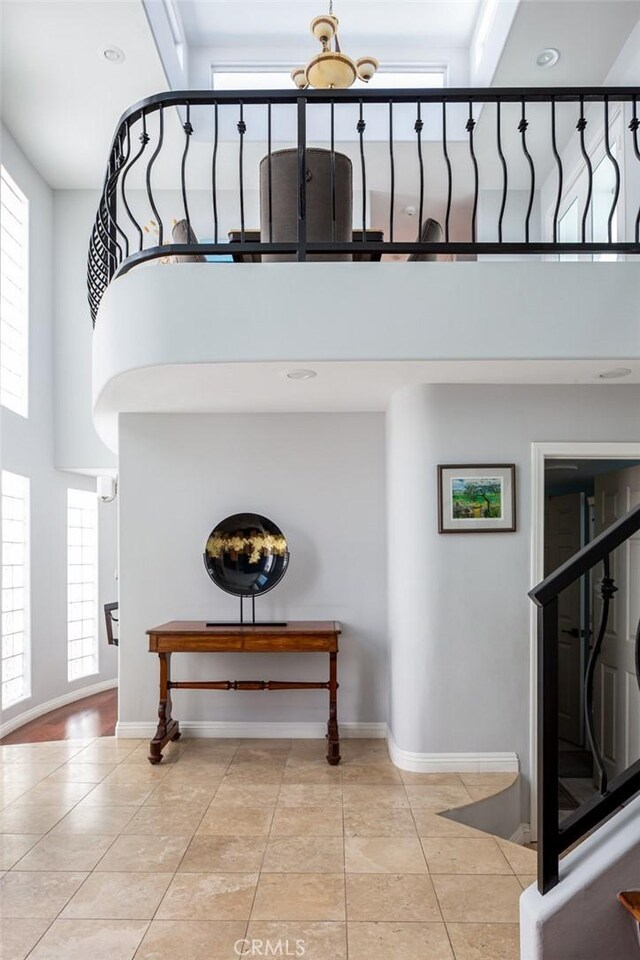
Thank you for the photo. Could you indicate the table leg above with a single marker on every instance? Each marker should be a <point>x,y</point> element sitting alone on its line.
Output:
<point>333,736</point>
<point>168,728</point>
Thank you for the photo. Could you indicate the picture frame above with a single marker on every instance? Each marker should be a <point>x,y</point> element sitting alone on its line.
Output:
<point>477,498</point>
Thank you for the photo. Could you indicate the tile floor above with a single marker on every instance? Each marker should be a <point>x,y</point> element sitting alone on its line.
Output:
<point>237,848</point>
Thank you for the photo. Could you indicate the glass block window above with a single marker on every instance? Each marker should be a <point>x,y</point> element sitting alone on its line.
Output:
<point>14,275</point>
<point>15,588</point>
<point>82,583</point>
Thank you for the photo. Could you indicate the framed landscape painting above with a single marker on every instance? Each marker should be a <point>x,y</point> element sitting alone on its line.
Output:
<point>477,498</point>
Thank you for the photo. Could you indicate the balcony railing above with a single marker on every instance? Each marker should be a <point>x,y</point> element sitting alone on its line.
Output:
<point>503,171</point>
<point>555,838</point>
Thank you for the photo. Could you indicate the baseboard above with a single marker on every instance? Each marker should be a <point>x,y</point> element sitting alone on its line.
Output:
<point>522,835</point>
<point>49,705</point>
<point>242,729</point>
<point>452,762</point>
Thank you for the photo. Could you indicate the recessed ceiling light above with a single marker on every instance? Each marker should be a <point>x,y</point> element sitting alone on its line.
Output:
<point>548,58</point>
<point>112,54</point>
<point>615,373</point>
<point>301,374</point>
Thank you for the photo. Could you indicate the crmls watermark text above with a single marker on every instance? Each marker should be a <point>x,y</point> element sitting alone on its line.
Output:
<point>269,948</point>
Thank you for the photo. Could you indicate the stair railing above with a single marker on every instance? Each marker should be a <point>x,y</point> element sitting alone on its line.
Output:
<point>555,837</point>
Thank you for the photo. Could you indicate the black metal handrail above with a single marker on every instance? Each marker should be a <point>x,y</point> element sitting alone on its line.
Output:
<point>554,837</point>
<point>118,239</point>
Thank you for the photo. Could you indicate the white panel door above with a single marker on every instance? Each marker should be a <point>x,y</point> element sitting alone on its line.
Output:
<point>562,539</point>
<point>616,693</point>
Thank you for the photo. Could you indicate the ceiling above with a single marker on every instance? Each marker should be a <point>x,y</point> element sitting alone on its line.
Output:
<point>338,387</point>
<point>229,22</point>
<point>61,99</point>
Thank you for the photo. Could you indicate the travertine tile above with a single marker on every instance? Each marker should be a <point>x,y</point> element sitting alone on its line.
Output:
<point>81,772</point>
<point>313,941</point>
<point>483,785</point>
<point>118,896</point>
<point>109,821</point>
<point>522,859</point>
<point>11,791</point>
<point>254,773</point>
<point>63,793</point>
<point>90,940</point>
<point>13,846</point>
<point>171,792</point>
<point>431,824</point>
<point>60,852</point>
<point>411,941</point>
<point>485,941</point>
<point>224,855</point>
<point>468,855</point>
<point>222,821</point>
<point>404,897</point>
<point>156,854</point>
<point>209,896</point>
<point>246,794</point>
<point>478,899</point>
<point>432,779</point>
<point>293,896</point>
<point>374,795</point>
<point>363,821</point>
<point>370,773</point>
<point>118,794</point>
<point>300,769</point>
<point>437,797</point>
<point>307,822</point>
<point>192,940</point>
<point>19,819</point>
<point>37,895</point>
<point>154,774</point>
<point>304,855</point>
<point>384,855</point>
<point>18,937</point>
<point>26,773</point>
<point>182,820</point>
<point>526,879</point>
<point>310,795</point>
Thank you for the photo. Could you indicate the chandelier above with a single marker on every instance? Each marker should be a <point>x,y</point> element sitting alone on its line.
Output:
<point>331,68</point>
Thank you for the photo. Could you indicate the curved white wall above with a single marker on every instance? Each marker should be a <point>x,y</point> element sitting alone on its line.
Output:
<point>458,606</point>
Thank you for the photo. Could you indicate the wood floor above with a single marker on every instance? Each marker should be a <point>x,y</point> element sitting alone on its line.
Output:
<point>92,717</point>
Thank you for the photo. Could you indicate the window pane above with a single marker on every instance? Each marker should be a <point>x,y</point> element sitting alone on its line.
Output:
<point>15,591</point>
<point>82,583</point>
<point>14,275</point>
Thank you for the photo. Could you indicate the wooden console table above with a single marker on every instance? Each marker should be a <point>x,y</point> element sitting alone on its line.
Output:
<point>194,636</point>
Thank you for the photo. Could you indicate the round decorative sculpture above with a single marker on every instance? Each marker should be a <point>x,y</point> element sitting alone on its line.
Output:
<point>246,555</point>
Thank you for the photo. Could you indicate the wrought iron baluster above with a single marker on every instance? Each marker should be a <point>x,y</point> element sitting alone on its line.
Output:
<point>110,201</point>
<point>633,127</point>
<point>418,126</point>
<point>269,188</point>
<point>581,127</point>
<point>522,127</point>
<point>558,159</point>
<point>445,151</point>
<point>302,177</point>
<point>144,140</point>
<point>333,171</point>
<point>242,129</point>
<point>392,173</point>
<point>188,130</point>
<point>152,160</point>
<point>214,173</point>
<point>361,126</point>
<point>616,167</point>
<point>607,591</point>
<point>470,126</point>
<point>503,163</point>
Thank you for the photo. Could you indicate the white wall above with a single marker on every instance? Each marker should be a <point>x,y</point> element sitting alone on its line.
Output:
<point>318,476</point>
<point>458,606</point>
<point>27,447</point>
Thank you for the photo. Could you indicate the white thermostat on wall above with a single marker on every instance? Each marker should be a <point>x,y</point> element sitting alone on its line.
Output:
<point>106,488</point>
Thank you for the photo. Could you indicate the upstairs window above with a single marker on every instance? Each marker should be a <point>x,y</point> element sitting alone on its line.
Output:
<point>14,317</point>
<point>241,78</point>
<point>15,588</point>
<point>82,584</point>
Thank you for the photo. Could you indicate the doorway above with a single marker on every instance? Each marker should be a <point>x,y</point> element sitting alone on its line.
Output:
<point>578,490</point>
